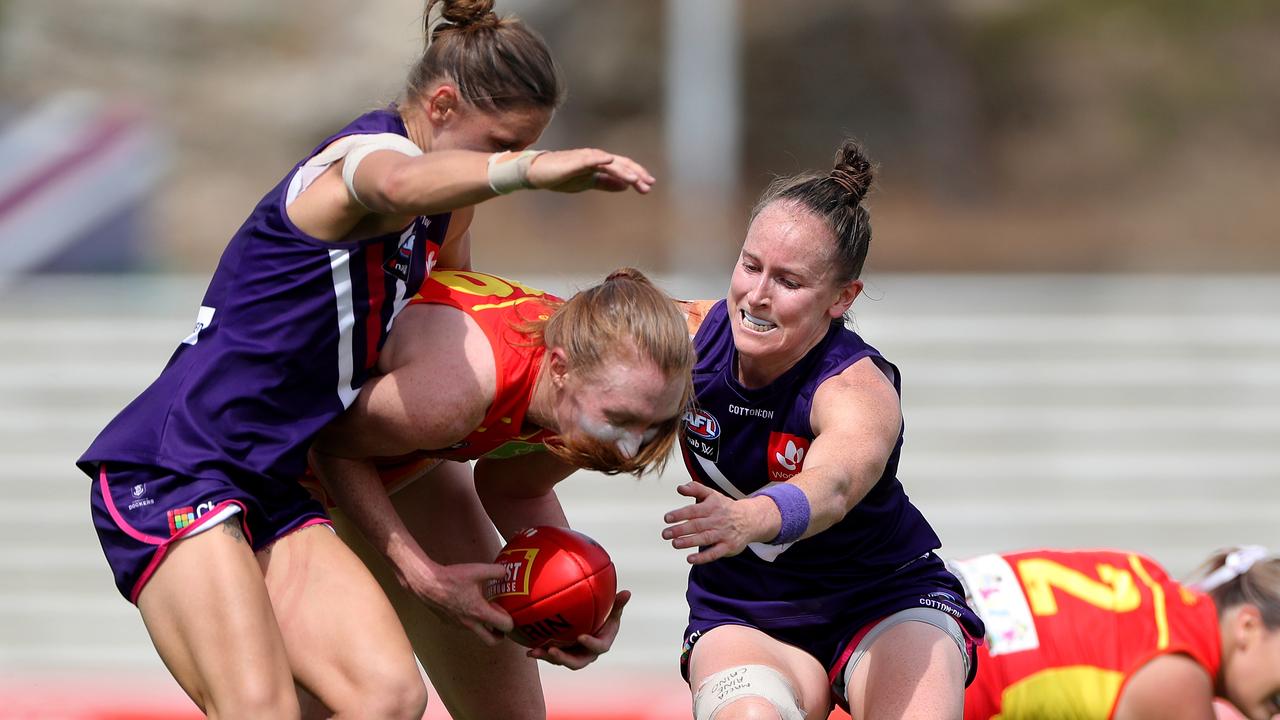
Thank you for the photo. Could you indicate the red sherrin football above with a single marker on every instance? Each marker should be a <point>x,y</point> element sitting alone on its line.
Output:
<point>560,584</point>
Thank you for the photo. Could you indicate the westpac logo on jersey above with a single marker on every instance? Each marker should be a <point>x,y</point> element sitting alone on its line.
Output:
<point>702,433</point>
<point>785,455</point>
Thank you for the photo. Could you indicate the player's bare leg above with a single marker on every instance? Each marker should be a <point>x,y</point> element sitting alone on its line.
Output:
<point>219,639</point>
<point>344,641</point>
<point>735,646</point>
<point>913,670</point>
<point>474,681</point>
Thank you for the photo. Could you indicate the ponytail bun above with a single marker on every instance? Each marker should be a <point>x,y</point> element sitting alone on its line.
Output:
<point>627,273</point>
<point>852,172</point>
<point>461,15</point>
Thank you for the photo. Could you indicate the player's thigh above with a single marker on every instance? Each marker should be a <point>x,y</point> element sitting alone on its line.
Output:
<point>344,641</point>
<point>473,680</point>
<point>726,647</point>
<point>913,669</point>
<point>210,617</point>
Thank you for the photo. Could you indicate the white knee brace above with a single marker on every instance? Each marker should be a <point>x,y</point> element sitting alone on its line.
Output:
<point>742,681</point>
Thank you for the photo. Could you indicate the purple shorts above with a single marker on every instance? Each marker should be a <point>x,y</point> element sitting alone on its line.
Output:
<point>830,633</point>
<point>139,511</point>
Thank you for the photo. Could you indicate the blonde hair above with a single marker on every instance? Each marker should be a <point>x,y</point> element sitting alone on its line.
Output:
<point>624,316</point>
<point>1243,575</point>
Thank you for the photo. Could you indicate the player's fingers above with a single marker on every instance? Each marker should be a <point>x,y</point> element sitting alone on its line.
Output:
<point>635,168</point>
<point>608,183</point>
<point>684,514</point>
<point>487,635</point>
<point>620,601</point>
<point>715,552</point>
<point>487,571</point>
<point>693,540</point>
<point>684,529</point>
<point>492,617</point>
<point>694,490</point>
<point>573,661</point>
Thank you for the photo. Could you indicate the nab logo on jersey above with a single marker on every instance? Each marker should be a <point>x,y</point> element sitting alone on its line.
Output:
<point>702,434</point>
<point>398,265</point>
<point>786,455</point>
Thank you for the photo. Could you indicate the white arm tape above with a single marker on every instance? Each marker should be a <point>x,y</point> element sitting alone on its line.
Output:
<point>509,172</point>
<point>356,148</point>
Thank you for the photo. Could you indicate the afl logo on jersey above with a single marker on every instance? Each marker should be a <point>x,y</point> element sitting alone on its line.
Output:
<point>702,423</point>
<point>702,434</point>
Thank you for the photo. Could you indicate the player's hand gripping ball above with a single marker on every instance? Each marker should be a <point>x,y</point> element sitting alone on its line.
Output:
<point>559,584</point>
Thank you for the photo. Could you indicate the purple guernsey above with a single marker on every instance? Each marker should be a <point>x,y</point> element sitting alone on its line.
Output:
<point>289,329</point>
<point>740,439</point>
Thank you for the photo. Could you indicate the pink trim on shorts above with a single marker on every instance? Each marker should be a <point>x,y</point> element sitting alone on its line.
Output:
<point>198,525</point>
<point>115,514</point>
<point>303,526</point>
<point>852,645</point>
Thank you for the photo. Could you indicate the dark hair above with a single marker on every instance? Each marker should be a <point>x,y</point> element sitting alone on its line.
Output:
<point>496,63</point>
<point>835,197</point>
<point>625,315</point>
<point>1258,585</point>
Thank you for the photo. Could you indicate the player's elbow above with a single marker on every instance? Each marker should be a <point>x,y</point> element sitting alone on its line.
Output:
<point>393,191</point>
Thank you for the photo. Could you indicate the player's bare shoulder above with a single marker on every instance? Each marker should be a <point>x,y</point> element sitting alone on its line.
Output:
<point>861,393</point>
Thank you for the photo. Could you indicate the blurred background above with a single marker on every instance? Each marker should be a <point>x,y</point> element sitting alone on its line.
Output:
<point>1075,260</point>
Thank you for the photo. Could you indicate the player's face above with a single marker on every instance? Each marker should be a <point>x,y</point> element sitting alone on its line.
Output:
<point>473,128</point>
<point>621,404</point>
<point>783,296</point>
<point>1252,673</point>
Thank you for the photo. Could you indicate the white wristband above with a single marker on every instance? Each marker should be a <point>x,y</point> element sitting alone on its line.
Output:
<point>509,172</point>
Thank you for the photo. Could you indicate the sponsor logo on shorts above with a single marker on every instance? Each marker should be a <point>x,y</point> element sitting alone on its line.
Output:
<point>785,455</point>
<point>137,491</point>
<point>689,642</point>
<point>945,607</point>
<point>702,434</point>
<point>519,564</point>
<point>180,519</point>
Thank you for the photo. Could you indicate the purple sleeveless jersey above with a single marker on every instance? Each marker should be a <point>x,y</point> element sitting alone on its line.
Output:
<point>816,592</point>
<point>289,329</point>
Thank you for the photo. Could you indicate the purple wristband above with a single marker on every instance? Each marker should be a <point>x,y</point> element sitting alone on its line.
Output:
<point>793,505</point>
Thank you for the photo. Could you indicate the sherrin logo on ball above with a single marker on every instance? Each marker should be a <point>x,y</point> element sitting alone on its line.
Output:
<point>559,584</point>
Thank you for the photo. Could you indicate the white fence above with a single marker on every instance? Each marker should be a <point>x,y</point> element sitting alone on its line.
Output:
<point>1138,412</point>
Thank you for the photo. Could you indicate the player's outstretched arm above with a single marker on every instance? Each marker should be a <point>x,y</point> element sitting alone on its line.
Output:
<point>856,418</point>
<point>390,183</point>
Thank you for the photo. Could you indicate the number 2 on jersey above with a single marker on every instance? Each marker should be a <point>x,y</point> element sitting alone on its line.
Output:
<point>1114,589</point>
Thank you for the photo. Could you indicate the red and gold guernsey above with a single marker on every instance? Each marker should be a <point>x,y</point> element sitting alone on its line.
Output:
<point>502,308</point>
<point>1066,630</point>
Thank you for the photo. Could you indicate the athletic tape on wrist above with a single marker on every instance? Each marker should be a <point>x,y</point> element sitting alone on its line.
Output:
<point>793,505</point>
<point>509,172</point>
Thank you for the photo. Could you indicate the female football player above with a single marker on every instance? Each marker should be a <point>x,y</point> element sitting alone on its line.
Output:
<point>1107,634</point>
<point>533,388</point>
<point>291,325</point>
<point>814,576</point>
